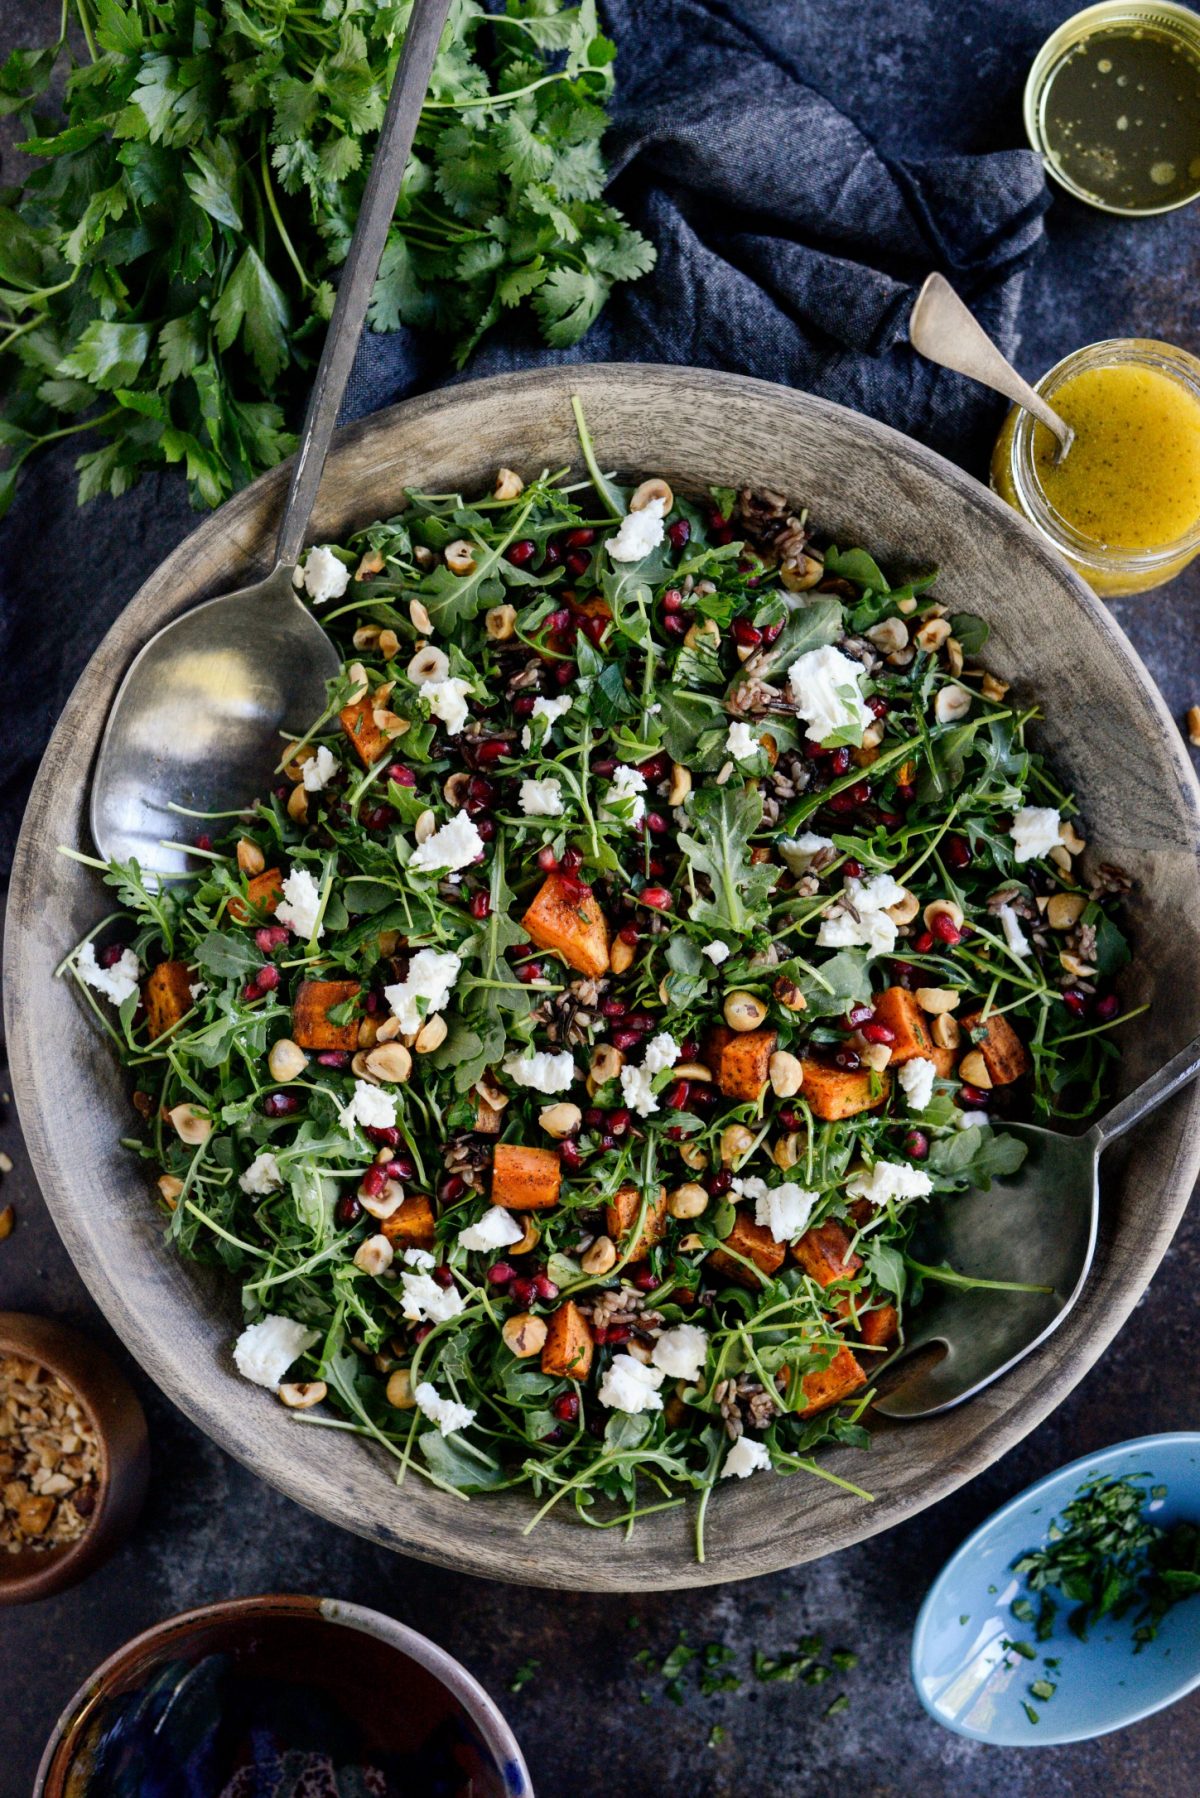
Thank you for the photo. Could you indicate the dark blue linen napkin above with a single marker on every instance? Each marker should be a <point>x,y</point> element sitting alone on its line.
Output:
<point>788,248</point>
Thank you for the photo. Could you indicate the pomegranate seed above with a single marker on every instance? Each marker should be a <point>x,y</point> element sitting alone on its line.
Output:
<point>524,550</point>
<point>547,860</point>
<point>529,971</point>
<point>347,1211</point>
<point>612,1008</point>
<point>570,1153</point>
<point>619,1121</point>
<point>604,766</point>
<point>618,1333</point>
<point>747,634</point>
<point>545,1287</point>
<point>679,533</point>
<point>972,1096</point>
<point>282,791</point>
<point>957,852</point>
<point>722,536</point>
<point>672,600</point>
<point>421,1331</point>
<point>852,869</point>
<point>494,750</point>
<point>267,979</point>
<point>676,1132</point>
<point>552,555</point>
<point>675,625</point>
<point>522,1290</point>
<point>599,1335</point>
<point>924,943</point>
<point>594,629</point>
<point>840,760</point>
<point>486,828</point>
<point>676,1095</point>
<point>108,958</point>
<point>480,906</point>
<point>657,897</point>
<point>401,1169</point>
<point>593,1117</point>
<point>204,841</point>
<point>770,631</point>
<point>264,939</point>
<point>572,861</point>
<point>582,537</point>
<point>628,933</point>
<point>578,562</point>
<point>905,792</point>
<point>373,1181</point>
<point>842,802</point>
<point>524,703</point>
<point>251,991</point>
<point>376,817</point>
<point>860,792</point>
<point>1106,1007</point>
<point>280,1105</point>
<point>891,819</point>
<point>859,1014</point>
<point>640,1020</point>
<point>338,1058</point>
<point>944,928</point>
<point>689,1049</point>
<point>656,824</point>
<point>655,767</point>
<point>566,1407</point>
<point>790,1118</point>
<point>452,1189</point>
<point>645,1279</point>
<point>501,1273</point>
<point>719,1183</point>
<point>384,1136</point>
<point>444,1275</point>
<point>625,1039</point>
<point>403,777</point>
<point>816,751</point>
<point>564,674</point>
<point>878,1033</point>
<point>846,1059</point>
<point>903,973</point>
<point>916,1145</point>
<point>1075,1001</point>
<point>372,1002</point>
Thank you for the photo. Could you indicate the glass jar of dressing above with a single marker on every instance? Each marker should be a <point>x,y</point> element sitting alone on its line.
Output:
<point>1113,105</point>
<point>1124,505</point>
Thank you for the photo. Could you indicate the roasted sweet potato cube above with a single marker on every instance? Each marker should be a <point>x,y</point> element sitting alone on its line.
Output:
<point>824,1252</point>
<point>566,917</point>
<point>358,722</point>
<point>897,1008</point>
<point>830,1385</point>
<point>263,894</point>
<point>740,1061</point>
<point>840,1093</point>
<point>567,1353</point>
<point>411,1225</point>
<point>525,1179</point>
<point>487,1118</point>
<point>880,1325</point>
<point>756,1244</point>
<point>1001,1048</point>
<point>943,1061</point>
<point>621,1214</point>
<point>311,1026</point>
<point>167,996</point>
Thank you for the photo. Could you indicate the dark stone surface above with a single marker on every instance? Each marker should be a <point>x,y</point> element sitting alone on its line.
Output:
<point>922,75</point>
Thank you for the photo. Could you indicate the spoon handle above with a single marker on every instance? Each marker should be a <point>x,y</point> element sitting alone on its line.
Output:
<point>1179,1072</point>
<point>943,330</point>
<point>358,275</point>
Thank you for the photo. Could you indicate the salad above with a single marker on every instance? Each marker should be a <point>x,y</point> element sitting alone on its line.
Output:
<point>560,1054</point>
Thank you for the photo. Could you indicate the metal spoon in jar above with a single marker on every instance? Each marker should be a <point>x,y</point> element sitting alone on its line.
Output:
<point>944,331</point>
<point>1035,1229</point>
<point>198,719</point>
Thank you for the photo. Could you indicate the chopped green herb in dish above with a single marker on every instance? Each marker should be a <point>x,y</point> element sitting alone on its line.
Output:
<point>559,1055</point>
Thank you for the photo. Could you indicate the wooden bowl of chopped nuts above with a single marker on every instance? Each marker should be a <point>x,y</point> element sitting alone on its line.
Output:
<point>74,1457</point>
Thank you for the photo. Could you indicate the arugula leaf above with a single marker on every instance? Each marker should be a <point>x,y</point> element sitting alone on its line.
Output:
<point>808,627</point>
<point>723,820</point>
<point>228,955</point>
<point>976,1156</point>
<point>857,566</point>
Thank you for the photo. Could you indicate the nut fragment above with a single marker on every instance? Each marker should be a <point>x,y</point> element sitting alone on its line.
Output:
<point>250,858</point>
<point>620,955</point>
<point>786,1073</point>
<point>953,702</point>
<point>974,1069</point>
<point>287,1060</point>
<point>992,687</point>
<point>889,636</point>
<point>431,1035</point>
<point>693,1156</point>
<point>372,563</point>
<point>391,1062</point>
<point>509,484</point>
<point>600,1257</point>
<point>374,1255</point>
<point>789,994</point>
<point>169,1189</point>
<point>946,1031</point>
<point>561,1119</point>
<point>648,492</point>
<point>691,1070</point>
<point>429,664</point>
<point>297,805</point>
<point>1070,838</point>
<point>530,1236</point>
<point>606,1064</point>
<point>368,1033</point>
<point>1064,910</point>
<point>736,1141</point>
<point>788,1151</point>
<point>931,635</point>
<point>191,1125</point>
<point>689,1200</point>
<point>421,620</point>
<point>904,910</point>
<point>875,1055</point>
<point>937,999</point>
<point>302,1395</point>
<point>425,826</point>
<point>798,574</point>
<point>706,635</point>
<point>500,623</point>
<point>949,907</point>
<point>389,644</point>
<point>743,1011</point>
<point>399,1391</point>
<point>366,636</point>
<point>456,789</point>
<point>524,1335</point>
<point>459,556</point>
<point>681,784</point>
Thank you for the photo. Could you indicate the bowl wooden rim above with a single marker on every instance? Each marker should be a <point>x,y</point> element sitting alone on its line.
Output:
<point>155,1309</point>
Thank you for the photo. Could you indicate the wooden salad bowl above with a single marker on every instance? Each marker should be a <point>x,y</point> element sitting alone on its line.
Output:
<point>1107,729</point>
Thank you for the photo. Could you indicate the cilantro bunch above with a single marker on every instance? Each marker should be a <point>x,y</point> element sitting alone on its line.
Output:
<point>168,267</point>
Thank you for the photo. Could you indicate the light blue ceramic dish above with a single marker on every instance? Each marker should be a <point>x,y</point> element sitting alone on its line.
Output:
<point>969,1683</point>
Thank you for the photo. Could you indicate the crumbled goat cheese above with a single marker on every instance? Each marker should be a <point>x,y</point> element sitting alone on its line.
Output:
<point>325,576</point>
<point>447,700</point>
<point>661,1053</point>
<point>116,983</point>
<point>917,1077</point>
<point>785,1210</point>
<point>716,951</point>
<point>681,1352</point>
<point>890,1180</point>
<point>741,742</point>
<point>262,1175</point>
<point>544,1072</point>
<point>753,1186</point>
<point>425,1301</point>
<point>446,1413</point>
<point>197,989</point>
<point>1014,936</point>
<point>872,929</point>
<point>625,795</point>
<point>370,1107</point>
<point>800,852</point>
<point>496,1229</point>
<point>825,691</point>
<point>972,1120</point>
<point>549,709</point>
<point>746,1456</point>
<point>318,769</point>
<point>1034,832</point>
<point>300,904</point>
<point>542,798</point>
<point>264,1351</point>
<point>639,533</point>
<point>418,1258</point>
<point>456,845</point>
<point>631,1387</point>
<point>426,988</point>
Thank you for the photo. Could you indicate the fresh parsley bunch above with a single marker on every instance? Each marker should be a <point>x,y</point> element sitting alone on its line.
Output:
<point>167,269</point>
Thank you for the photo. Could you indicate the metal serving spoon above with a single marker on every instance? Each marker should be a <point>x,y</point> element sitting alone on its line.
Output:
<point>198,718</point>
<point>944,331</point>
<point>1035,1228</point>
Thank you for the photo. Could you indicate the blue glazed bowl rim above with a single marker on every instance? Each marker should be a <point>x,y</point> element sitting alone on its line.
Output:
<point>1098,1463</point>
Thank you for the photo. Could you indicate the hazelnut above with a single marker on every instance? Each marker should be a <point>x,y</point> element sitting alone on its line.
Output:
<point>524,1335</point>
<point>302,1395</point>
<point>287,1060</point>
<point>500,623</point>
<point>648,492</point>
<point>561,1119</point>
<point>743,1011</point>
<point>399,1391</point>
<point>974,1069</point>
<point>374,1255</point>
<point>600,1258</point>
<point>689,1200</point>
<point>250,858</point>
<point>786,1073</point>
